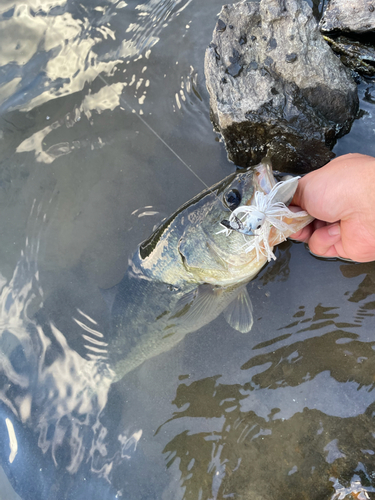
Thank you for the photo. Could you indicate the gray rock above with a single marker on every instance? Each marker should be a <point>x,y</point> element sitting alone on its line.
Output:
<point>276,87</point>
<point>356,16</point>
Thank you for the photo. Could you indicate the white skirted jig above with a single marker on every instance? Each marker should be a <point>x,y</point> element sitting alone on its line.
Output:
<point>256,220</point>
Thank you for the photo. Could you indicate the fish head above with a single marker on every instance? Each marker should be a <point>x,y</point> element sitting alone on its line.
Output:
<point>221,257</point>
<point>193,246</point>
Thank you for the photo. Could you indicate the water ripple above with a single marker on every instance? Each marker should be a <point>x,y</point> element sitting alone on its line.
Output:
<point>49,52</point>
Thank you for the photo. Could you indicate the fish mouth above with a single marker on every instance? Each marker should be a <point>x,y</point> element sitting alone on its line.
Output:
<point>236,253</point>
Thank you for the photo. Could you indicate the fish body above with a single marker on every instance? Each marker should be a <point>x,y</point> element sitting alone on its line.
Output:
<point>188,271</point>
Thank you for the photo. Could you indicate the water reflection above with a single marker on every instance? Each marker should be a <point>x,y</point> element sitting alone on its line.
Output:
<point>54,49</point>
<point>366,287</point>
<point>107,98</point>
<point>38,363</point>
<point>258,457</point>
<point>300,427</point>
<point>48,385</point>
<point>280,270</point>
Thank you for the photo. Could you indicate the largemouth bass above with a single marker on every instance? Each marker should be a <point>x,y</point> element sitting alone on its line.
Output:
<point>58,368</point>
<point>189,271</point>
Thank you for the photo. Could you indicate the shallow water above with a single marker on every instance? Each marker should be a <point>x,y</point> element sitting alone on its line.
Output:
<point>93,97</point>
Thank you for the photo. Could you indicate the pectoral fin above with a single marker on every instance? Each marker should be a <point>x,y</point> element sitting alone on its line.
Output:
<point>239,313</point>
<point>196,304</point>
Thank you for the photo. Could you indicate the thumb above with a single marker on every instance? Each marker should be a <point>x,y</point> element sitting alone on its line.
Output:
<point>326,241</point>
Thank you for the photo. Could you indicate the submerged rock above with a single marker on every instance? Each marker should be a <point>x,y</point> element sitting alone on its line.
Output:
<point>276,87</point>
<point>356,55</point>
<point>356,16</point>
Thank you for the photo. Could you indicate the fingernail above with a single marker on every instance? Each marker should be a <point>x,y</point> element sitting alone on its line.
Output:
<point>334,230</point>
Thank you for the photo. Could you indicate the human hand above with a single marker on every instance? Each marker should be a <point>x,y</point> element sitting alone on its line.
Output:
<point>341,196</point>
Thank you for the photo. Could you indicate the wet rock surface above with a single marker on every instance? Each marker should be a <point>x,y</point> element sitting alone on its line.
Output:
<point>349,16</point>
<point>354,54</point>
<point>276,87</point>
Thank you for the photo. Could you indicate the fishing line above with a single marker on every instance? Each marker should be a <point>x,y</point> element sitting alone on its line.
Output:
<point>154,132</point>
<point>160,138</point>
<point>121,98</point>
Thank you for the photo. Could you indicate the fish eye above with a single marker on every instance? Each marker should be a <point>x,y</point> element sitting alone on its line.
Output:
<point>232,199</point>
